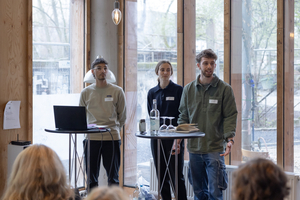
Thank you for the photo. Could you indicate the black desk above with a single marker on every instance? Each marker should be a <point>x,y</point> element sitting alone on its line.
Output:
<point>169,135</point>
<point>76,156</point>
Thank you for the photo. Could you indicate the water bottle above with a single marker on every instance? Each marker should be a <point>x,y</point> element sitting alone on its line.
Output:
<point>154,118</point>
<point>136,192</point>
<point>141,194</point>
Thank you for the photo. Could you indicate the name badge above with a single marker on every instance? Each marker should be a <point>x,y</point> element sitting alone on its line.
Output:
<point>213,101</point>
<point>109,99</point>
<point>170,98</point>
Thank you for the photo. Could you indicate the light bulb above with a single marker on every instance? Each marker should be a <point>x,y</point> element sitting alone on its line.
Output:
<point>116,14</point>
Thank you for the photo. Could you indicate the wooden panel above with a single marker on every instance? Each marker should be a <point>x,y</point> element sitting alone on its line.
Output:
<point>227,52</point>
<point>14,72</point>
<point>280,97</point>
<point>236,83</point>
<point>288,86</point>
<point>120,81</point>
<point>130,64</point>
<point>280,83</point>
<point>180,59</point>
<point>87,38</point>
<point>180,42</point>
<point>120,47</point>
<point>227,41</point>
<point>29,72</point>
<point>189,63</point>
<point>180,12</point>
<point>77,45</point>
<point>280,14</point>
<point>235,48</point>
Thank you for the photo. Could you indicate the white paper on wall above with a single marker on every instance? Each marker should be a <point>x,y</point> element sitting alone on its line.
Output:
<point>11,119</point>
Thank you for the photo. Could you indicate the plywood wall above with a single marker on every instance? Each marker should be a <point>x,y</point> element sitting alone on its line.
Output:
<point>15,16</point>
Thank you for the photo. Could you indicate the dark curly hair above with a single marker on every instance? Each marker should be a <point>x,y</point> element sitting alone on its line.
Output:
<point>207,53</point>
<point>259,179</point>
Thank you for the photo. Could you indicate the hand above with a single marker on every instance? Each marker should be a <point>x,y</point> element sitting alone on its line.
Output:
<point>176,146</point>
<point>228,149</point>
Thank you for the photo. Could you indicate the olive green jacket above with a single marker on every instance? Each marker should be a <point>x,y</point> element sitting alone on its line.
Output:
<point>213,108</point>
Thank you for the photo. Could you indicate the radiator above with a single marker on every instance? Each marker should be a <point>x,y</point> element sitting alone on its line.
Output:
<point>294,184</point>
<point>293,181</point>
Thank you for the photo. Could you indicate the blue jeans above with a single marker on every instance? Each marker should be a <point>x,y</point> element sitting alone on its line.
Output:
<point>207,175</point>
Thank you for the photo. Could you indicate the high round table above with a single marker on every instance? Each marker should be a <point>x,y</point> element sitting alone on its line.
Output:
<point>163,136</point>
<point>76,156</point>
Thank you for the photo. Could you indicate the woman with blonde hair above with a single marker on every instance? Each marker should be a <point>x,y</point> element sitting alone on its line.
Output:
<point>37,174</point>
<point>107,193</point>
<point>260,179</point>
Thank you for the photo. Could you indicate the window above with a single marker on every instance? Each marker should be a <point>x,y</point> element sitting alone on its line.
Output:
<point>210,31</point>
<point>57,68</point>
<point>254,61</point>
<point>156,34</point>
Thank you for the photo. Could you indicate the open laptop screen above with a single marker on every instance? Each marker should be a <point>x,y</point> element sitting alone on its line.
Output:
<point>70,117</point>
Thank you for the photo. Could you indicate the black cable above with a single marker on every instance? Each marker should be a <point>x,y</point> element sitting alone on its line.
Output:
<point>113,157</point>
<point>99,154</point>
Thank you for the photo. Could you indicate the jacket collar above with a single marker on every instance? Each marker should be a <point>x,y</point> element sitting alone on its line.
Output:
<point>213,83</point>
<point>157,88</point>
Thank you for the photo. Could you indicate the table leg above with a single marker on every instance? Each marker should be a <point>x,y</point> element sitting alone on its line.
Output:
<point>75,159</point>
<point>158,165</point>
<point>88,164</point>
<point>70,162</point>
<point>167,172</point>
<point>176,172</point>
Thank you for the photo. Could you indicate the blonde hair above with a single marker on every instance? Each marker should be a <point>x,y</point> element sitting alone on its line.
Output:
<point>107,193</point>
<point>259,179</point>
<point>37,174</point>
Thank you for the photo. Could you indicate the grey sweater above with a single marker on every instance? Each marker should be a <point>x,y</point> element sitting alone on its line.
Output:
<point>104,106</point>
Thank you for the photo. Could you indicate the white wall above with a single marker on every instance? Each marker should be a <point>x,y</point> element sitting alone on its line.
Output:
<point>104,37</point>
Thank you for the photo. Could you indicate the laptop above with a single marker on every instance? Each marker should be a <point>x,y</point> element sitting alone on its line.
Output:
<point>70,117</point>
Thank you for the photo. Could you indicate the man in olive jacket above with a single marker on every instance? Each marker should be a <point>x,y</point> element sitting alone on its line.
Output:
<point>210,103</point>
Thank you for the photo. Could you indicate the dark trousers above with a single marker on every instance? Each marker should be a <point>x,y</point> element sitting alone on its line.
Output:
<point>167,147</point>
<point>111,160</point>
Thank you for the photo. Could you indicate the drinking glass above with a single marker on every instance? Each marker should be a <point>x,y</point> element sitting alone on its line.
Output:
<point>171,128</point>
<point>164,126</point>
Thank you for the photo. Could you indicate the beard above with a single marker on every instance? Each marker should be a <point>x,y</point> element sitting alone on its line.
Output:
<point>207,73</point>
<point>101,77</point>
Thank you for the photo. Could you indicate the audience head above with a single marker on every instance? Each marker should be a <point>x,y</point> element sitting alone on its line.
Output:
<point>37,173</point>
<point>107,193</point>
<point>259,179</point>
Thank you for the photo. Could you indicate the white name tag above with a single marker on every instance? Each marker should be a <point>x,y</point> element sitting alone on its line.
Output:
<point>213,101</point>
<point>109,99</point>
<point>170,98</point>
